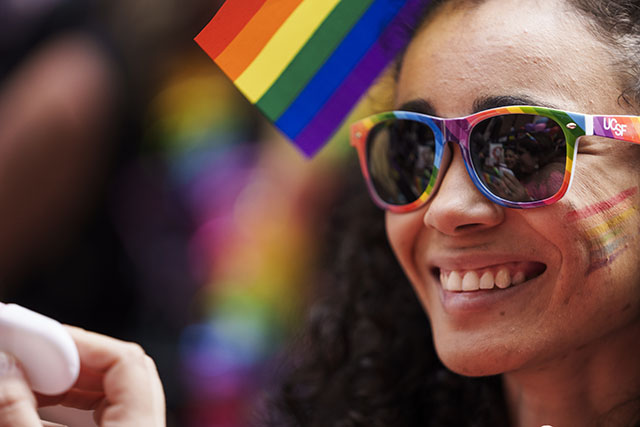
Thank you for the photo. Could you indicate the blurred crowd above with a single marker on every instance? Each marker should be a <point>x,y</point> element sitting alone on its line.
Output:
<point>144,198</point>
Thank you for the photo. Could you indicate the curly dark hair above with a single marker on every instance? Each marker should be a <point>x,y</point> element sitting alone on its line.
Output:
<point>366,357</point>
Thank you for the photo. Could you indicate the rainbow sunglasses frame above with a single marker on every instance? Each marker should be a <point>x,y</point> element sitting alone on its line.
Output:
<point>458,130</point>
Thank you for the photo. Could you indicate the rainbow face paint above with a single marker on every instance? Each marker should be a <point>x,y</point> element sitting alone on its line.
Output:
<point>607,225</point>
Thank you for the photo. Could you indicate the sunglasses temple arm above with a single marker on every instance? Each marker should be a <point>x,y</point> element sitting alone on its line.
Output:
<point>623,128</point>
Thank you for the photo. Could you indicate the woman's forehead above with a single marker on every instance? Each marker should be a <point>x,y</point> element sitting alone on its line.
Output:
<point>505,48</point>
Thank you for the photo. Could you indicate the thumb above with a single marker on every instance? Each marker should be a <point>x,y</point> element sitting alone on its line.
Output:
<point>17,402</point>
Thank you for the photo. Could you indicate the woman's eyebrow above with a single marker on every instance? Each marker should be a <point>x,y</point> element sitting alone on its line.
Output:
<point>418,105</point>
<point>486,103</point>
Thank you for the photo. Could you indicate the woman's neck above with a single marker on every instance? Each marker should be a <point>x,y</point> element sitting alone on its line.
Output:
<point>599,381</point>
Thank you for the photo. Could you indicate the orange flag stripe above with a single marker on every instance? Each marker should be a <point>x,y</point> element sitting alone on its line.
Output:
<point>226,25</point>
<point>254,36</point>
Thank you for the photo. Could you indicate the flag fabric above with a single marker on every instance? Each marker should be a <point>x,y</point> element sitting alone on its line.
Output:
<point>306,63</point>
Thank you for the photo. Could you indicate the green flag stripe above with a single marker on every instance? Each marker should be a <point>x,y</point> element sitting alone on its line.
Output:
<point>311,57</point>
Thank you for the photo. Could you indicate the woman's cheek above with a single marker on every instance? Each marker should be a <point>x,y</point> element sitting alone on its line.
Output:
<point>401,230</point>
<point>608,226</point>
<point>404,232</point>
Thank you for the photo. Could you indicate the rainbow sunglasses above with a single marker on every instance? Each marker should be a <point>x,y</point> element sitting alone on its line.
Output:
<point>518,157</point>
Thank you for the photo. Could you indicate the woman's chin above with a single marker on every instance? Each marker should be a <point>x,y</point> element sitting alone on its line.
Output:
<point>472,363</point>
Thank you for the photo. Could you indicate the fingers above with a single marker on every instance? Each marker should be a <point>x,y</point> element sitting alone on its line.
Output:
<point>511,179</point>
<point>157,391</point>
<point>118,381</point>
<point>74,398</point>
<point>17,403</point>
<point>499,187</point>
<point>130,380</point>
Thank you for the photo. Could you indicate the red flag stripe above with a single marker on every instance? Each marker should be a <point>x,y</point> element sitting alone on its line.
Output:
<point>226,25</point>
<point>254,36</point>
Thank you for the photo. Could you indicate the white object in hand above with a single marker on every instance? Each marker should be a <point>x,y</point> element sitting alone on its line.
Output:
<point>45,349</point>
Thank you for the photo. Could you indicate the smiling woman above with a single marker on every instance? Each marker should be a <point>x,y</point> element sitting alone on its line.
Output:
<point>527,267</point>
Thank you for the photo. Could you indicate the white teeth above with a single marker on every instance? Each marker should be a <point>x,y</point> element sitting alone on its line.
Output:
<point>457,281</point>
<point>486,281</point>
<point>454,283</point>
<point>471,282</point>
<point>503,278</point>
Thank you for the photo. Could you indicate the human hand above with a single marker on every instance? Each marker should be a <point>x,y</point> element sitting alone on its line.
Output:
<point>509,187</point>
<point>514,189</point>
<point>118,381</point>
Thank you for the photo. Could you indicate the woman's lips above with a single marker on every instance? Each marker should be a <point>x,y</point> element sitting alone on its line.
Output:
<point>499,276</point>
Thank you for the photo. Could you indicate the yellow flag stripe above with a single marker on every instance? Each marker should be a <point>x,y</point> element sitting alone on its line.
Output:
<point>283,47</point>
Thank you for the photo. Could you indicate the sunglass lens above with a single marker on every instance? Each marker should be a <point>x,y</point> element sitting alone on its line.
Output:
<point>400,155</point>
<point>519,157</point>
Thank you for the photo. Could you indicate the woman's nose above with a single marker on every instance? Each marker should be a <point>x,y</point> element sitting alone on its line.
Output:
<point>458,207</point>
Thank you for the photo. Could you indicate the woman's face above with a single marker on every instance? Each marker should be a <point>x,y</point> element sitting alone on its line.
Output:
<point>510,158</point>
<point>526,162</point>
<point>570,271</point>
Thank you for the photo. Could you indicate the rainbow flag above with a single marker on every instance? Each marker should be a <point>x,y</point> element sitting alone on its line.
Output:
<point>306,63</point>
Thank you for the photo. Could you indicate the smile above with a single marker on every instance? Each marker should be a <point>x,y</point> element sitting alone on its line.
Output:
<point>496,277</point>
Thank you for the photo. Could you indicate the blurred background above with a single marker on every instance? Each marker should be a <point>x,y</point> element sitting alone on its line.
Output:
<point>144,198</point>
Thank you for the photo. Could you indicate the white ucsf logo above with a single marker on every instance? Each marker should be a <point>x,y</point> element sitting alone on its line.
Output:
<point>617,128</point>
